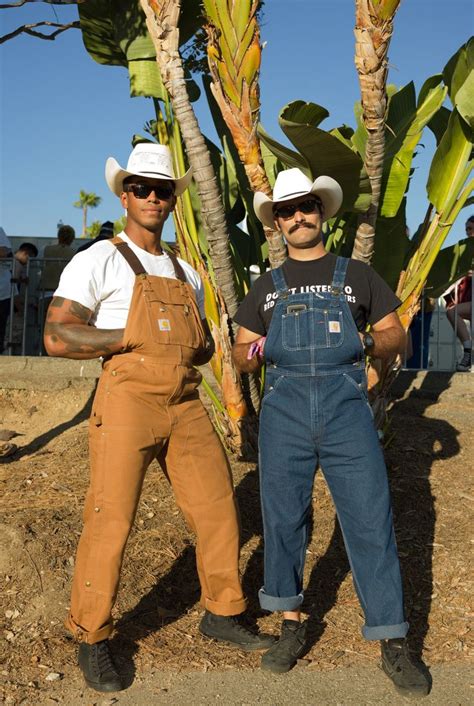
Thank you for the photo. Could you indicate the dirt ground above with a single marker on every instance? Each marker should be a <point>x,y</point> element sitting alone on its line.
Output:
<point>429,454</point>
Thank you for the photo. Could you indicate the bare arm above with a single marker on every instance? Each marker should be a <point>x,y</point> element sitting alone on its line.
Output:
<point>205,355</point>
<point>67,332</point>
<point>240,351</point>
<point>389,336</point>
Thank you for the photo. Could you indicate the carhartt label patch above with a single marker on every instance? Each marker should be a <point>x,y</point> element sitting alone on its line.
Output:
<point>164,324</point>
<point>334,327</point>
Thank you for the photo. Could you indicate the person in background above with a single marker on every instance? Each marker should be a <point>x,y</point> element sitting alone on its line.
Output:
<point>22,255</point>
<point>59,254</point>
<point>459,309</point>
<point>5,285</point>
<point>106,232</point>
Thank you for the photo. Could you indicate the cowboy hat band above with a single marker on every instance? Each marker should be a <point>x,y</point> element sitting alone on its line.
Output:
<point>291,184</point>
<point>147,160</point>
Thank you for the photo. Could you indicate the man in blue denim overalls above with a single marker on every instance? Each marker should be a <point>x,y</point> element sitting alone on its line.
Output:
<point>306,320</point>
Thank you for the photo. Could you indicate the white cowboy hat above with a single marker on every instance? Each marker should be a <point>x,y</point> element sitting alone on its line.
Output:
<point>148,160</point>
<point>292,183</point>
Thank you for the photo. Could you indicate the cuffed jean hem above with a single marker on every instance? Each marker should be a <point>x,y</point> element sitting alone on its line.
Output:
<point>232,608</point>
<point>274,603</point>
<point>90,637</point>
<point>385,632</point>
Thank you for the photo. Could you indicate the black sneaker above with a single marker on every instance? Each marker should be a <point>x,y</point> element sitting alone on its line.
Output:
<point>227,629</point>
<point>290,647</point>
<point>408,677</point>
<point>98,668</point>
<point>464,365</point>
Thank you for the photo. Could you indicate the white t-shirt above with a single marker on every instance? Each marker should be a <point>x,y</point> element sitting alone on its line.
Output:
<point>101,279</point>
<point>5,268</point>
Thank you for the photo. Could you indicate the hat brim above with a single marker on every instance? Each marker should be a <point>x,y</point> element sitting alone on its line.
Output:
<point>114,176</point>
<point>327,188</point>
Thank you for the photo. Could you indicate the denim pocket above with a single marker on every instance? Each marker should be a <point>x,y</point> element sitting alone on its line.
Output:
<point>361,388</point>
<point>312,329</point>
<point>272,383</point>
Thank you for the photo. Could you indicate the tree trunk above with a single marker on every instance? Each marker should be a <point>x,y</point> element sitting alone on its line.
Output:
<point>373,31</point>
<point>84,221</point>
<point>162,22</point>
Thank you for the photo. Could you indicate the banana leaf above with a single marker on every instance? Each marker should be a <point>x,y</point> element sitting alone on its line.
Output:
<point>391,246</point>
<point>451,264</point>
<point>325,153</point>
<point>114,32</point>
<point>458,75</point>
<point>451,164</point>
<point>320,152</point>
<point>405,123</point>
<point>439,123</point>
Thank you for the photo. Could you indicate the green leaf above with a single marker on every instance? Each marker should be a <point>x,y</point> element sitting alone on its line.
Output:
<point>359,138</point>
<point>450,165</point>
<point>326,154</point>
<point>302,112</point>
<point>405,124</point>
<point>114,32</point>
<point>289,157</point>
<point>145,79</point>
<point>451,264</point>
<point>439,123</point>
<point>391,246</point>
<point>458,75</point>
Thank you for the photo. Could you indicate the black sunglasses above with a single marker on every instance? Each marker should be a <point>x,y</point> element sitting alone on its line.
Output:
<point>142,191</point>
<point>306,207</point>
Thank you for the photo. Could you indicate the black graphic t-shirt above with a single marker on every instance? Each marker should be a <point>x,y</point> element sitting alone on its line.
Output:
<point>368,295</point>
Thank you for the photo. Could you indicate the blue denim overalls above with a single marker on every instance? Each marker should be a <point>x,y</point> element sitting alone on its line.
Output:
<point>315,410</point>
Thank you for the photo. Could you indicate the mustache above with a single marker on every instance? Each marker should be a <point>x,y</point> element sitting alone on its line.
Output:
<point>301,225</point>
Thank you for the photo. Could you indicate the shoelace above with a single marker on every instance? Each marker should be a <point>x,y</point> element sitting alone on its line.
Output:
<point>241,628</point>
<point>290,635</point>
<point>104,659</point>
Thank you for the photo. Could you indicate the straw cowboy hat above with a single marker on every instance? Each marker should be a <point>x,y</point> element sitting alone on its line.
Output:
<point>292,183</point>
<point>147,160</point>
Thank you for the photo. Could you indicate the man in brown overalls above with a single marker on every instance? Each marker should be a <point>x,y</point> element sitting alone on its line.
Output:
<point>128,302</point>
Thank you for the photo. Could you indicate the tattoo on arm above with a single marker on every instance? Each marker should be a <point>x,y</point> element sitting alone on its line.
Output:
<point>67,332</point>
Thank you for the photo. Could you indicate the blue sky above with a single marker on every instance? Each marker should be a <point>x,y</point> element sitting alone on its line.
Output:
<point>63,114</point>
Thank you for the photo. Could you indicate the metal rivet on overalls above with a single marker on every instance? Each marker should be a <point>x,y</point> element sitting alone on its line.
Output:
<point>114,372</point>
<point>141,360</point>
<point>88,583</point>
<point>271,387</point>
<point>97,509</point>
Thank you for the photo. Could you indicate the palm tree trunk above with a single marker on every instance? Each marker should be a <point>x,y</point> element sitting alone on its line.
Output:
<point>162,22</point>
<point>373,31</point>
<point>84,221</point>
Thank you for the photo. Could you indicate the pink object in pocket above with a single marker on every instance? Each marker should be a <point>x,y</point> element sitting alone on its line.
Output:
<point>256,348</point>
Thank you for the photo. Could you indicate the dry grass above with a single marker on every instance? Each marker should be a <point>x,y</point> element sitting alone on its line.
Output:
<point>157,610</point>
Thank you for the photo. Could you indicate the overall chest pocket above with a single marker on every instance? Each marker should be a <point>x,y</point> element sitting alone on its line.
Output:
<point>312,328</point>
<point>174,318</point>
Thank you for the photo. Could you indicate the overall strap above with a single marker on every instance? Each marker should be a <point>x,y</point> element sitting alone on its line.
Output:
<point>126,251</point>
<point>279,281</point>
<point>178,270</point>
<point>339,276</point>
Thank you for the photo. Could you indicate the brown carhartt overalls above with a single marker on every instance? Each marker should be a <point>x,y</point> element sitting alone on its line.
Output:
<point>146,406</point>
